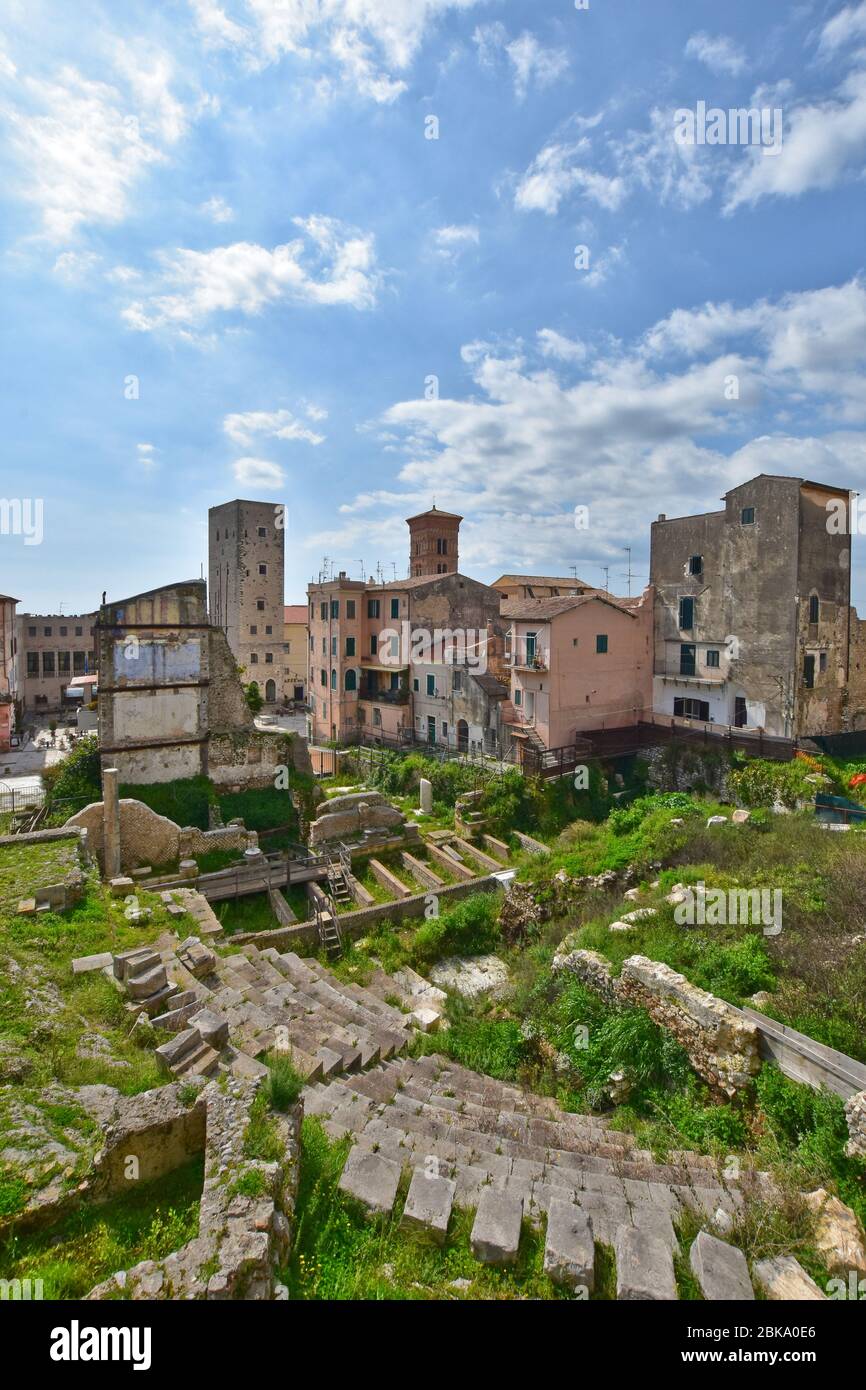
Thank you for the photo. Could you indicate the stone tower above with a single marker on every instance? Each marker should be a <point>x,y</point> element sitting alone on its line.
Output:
<point>246,561</point>
<point>433,543</point>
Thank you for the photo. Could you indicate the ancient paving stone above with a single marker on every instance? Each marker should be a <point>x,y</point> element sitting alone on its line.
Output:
<point>720,1269</point>
<point>496,1230</point>
<point>371,1179</point>
<point>838,1233</point>
<point>644,1267</point>
<point>82,964</point>
<point>783,1278</point>
<point>569,1248</point>
<point>428,1204</point>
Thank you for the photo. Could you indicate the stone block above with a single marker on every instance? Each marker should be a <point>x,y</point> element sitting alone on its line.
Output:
<point>720,1269</point>
<point>644,1267</point>
<point>82,964</point>
<point>496,1230</point>
<point>213,1028</point>
<point>371,1179</point>
<point>784,1279</point>
<point>147,982</point>
<point>569,1248</point>
<point>121,885</point>
<point>428,1205</point>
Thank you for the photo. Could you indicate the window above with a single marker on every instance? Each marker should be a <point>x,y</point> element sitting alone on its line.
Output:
<point>263,569</point>
<point>692,709</point>
<point>747,516</point>
<point>394,648</point>
<point>374,645</point>
<point>444,729</point>
<point>814,608</point>
<point>395,681</point>
<point>269,658</point>
<point>63,663</point>
<point>324,646</point>
<point>350,608</point>
<point>323,612</point>
<point>79,661</point>
<point>79,632</point>
<point>431,684</point>
<point>333,646</point>
<point>741,714</point>
<point>350,646</point>
<point>377,717</point>
<point>260,605</point>
<point>312,643</point>
<point>372,608</point>
<point>351,680</point>
<point>254,631</point>
<point>457,681</point>
<point>518,698</point>
<point>64,631</point>
<point>335,608</point>
<point>268,630</point>
<point>441,547</point>
<point>416,685</point>
<point>254,658</point>
<point>687,614</point>
<point>395,608</point>
<point>46,632</point>
<point>687,659</point>
<point>33,663</point>
<point>323,680</point>
<point>31,632</point>
<point>263,531</point>
<point>48,663</point>
<point>333,678</point>
<point>822,661</point>
<point>601,642</point>
<point>712,658</point>
<point>696,564</point>
<point>809,670</point>
<point>531,639</point>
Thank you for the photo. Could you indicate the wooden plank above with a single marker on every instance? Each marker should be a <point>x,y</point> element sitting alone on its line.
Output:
<point>805,1060</point>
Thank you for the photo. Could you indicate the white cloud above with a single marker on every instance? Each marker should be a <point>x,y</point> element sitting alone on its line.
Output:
<point>553,344</point>
<point>822,143</point>
<point>530,62</point>
<point>554,174</point>
<point>75,266</point>
<point>334,266</point>
<point>844,28</point>
<point>600,266</point>
<point>372,43</point>
<point>145,456</point>
<point>719,53</point>
<point>217,209</point>
<point>276,424</point>
<point>450,242</point>
<point>259,473</point>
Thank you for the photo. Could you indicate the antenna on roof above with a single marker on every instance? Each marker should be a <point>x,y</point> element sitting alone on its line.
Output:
<point>394,568</point>
<point>379,579</point>
<point>627,549</point>
<point>606,569</point>
<point>573,569</point>
<point>363,571</point>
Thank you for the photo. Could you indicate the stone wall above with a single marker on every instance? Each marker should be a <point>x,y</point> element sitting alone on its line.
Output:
<point>680,767</point>
<point>348,817</point>
<point>721,1044</point>
<point>66,890</point>
<point>148,838</point>
<point>241,1239</point>
<point>855,1114</point>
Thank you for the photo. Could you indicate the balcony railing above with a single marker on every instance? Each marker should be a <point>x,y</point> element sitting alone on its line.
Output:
<point>531,663</point>
<point>385,697</point>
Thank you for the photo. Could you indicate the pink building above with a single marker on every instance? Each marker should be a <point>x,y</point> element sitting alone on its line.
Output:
<point>577,664</point>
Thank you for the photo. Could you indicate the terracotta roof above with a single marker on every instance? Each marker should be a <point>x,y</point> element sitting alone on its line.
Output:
<point>489,684</point>
<point>435,511</point>
<point>552,580</point>
<point>418,580</point>
<point>546,608</point>
<point>295,613</point>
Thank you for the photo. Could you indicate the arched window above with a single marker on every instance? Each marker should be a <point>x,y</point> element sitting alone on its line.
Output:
<point>351,679</point>
<point>333,678</point>
<point>270,692</point>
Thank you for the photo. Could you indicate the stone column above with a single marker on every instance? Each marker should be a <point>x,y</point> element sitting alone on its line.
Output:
<point>110,823</point>
<point>425,789</point>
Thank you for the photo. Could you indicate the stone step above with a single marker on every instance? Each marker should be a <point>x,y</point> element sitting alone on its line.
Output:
<point>644,1267</point>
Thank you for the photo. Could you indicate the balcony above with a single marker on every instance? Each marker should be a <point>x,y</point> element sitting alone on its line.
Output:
<point>384,697</point>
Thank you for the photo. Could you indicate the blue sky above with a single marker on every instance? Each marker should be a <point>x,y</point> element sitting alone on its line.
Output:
<point>237,205</point>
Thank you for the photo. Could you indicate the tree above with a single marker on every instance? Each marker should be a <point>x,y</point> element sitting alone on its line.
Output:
<point>253,697</point>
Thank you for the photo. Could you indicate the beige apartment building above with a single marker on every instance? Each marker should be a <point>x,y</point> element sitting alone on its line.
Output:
<point>296,631</point>
<point>246,563</point>
<point>54,649</point>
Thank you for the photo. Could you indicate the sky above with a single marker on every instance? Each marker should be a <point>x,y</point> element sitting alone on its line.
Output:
<point>354,256</point>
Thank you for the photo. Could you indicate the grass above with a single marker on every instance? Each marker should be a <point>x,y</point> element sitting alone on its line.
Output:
<point>339,1254</point>
<point>253,912</point>
<point>26,868</point>
<point>89,1245</point>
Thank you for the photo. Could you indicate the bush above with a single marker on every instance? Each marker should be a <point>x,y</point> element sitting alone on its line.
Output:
<point>495,1047</point>
<point>76,776</point>
<point>469,929</point>
<point>736,971</point>
<point>284,1083</point>
<point>758,782</point>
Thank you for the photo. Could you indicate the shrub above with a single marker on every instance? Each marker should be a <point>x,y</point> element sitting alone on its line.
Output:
<point>469,929</point>
<point>76,776</point>
<point>284,1083</point>
<point>735,971</point>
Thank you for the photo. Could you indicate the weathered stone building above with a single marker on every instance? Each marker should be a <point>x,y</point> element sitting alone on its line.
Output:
<point>8,669</point>
<point>246,563</point>
<point>370,670</point>
<point>753,623</point>
<point>171,704</point>
<point>54,649</point>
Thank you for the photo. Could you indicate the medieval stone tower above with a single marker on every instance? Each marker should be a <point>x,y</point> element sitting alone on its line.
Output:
<point>433,542</point>
<point>246,561</point>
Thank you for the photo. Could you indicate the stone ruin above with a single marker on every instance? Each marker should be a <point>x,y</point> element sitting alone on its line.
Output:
<point>147,838</point>
<point>359,817</point>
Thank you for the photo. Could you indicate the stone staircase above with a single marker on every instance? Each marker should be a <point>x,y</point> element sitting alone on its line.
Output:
<point>510,1155</point>
<point>268,1000</point>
